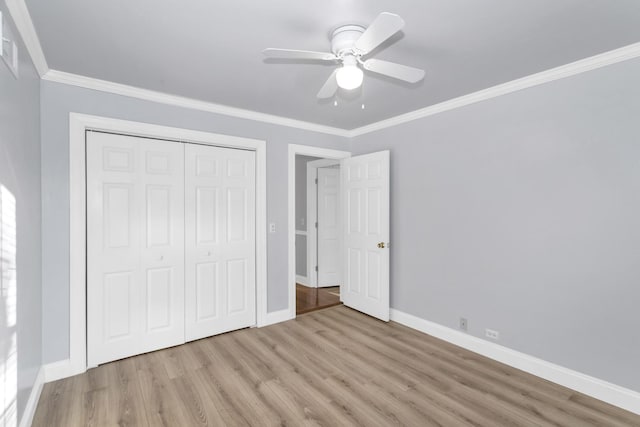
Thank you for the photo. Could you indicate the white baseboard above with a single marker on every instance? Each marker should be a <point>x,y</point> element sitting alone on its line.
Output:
<point>594,387</point>
<point>64,368</point>
<point>277,317</point>
<point>58,370</point>
<point>304,281</point>
<point>34,396</point>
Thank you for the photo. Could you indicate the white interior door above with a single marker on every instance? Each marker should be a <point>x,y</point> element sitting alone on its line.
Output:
<point>220,240</point>
<point>365,206</point>
<point>328,227</point>
<point>135,246</point>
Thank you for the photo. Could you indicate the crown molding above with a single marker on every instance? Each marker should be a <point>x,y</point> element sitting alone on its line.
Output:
<point>20,14</point>
<point>582,66</point>
<point>21,17</point>
<point>179,101</point>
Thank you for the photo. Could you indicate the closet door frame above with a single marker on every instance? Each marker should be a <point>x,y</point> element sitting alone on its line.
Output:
<point>79,124</point>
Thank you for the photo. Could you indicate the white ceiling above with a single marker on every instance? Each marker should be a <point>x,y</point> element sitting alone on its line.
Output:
<point>211,50</point>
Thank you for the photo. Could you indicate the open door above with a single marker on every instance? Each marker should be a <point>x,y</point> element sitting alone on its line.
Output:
<point>365,207</point>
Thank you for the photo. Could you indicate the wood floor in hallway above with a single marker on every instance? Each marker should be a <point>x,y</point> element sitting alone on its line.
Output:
<point>311,299</point>
<point>333,367</point>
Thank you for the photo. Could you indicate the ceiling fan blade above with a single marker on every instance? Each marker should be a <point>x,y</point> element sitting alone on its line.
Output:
<point>397,71</point>
<point>298,54</point>
<point>383,27</point>
<point>330,87</point>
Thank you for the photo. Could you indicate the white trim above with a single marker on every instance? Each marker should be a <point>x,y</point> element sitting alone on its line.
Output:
<point>77,362</point>
<point>180,101</point>
<point>594,387</point>
<point>312,218</point>
<point>78,124</point>
<point>21,17</point>
<point>304,150</point>
<point>301,233</point>
<point>277,317</point>
<point>57,370</point>
<point>322,163</point>
<point>261,233</point>
<point>20,14</point>
<point>578,67</point>
<point>32,402</point>
<point>568,70</point>
<point>304,281</point>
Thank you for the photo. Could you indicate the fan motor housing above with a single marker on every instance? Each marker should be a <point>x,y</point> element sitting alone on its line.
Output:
<point>344,38</point>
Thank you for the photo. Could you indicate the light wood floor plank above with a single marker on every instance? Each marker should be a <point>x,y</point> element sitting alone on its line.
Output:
<point>317,407</point>
<point>472,409</point>
<point>352,373</point>
<point>314,377</point>
<point>333,367</point>
<point>246,396</point>
<point>491,392</point>
<point>520,389</point>
<point>160,398</point>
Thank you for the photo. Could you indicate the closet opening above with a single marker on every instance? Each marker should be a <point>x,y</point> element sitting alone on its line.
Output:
<point>170,243</point>
<point>153,196</point>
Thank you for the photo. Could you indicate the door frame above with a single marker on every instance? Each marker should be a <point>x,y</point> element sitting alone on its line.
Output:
<point>304,150</point>
<point>78,125</point>
<point>312,215</point>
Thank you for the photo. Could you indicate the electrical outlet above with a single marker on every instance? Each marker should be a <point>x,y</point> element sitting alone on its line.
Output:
<point>272,227</point>
<point>463,324</point>
<point>490,333</point>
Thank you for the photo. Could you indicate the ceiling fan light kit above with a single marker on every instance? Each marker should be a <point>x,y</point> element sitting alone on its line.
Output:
<point>349,44</point>
<point>350,76</point>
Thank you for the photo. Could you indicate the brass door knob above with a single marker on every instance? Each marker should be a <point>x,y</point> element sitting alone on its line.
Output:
<point>381,245</point>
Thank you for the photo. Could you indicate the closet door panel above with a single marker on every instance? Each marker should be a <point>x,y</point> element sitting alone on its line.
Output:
<point>170,243</point>
<point>135,244</point>
<point>207,292</point>
<point>162,257</point>
<point>220,240</point>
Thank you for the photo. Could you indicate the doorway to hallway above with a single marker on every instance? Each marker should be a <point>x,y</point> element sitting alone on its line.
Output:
<point>312,299</point>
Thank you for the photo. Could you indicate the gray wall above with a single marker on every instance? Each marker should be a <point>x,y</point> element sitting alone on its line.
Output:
<point>58,100</point>
<point>301,255</point>
<point>301,191</point>
<point>301,213</point>
<point>20,174</point>
<point>522,214</point>
<point>519,213</point>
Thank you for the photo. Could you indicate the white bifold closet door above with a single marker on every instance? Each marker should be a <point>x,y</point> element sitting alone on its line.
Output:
<point>170,243</point>
<point>135,246</point>
<point>220,240</point>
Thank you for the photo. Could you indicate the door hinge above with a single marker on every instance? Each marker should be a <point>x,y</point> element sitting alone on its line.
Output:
<point>316,268</point>
<point>316,180</point>
<point>316,224</point>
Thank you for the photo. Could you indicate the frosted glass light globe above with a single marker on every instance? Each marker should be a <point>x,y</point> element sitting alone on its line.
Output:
<point>349,77</point>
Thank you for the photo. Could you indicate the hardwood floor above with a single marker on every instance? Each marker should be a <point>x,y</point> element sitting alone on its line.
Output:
<point>332,367</point>
<point>311,299</point>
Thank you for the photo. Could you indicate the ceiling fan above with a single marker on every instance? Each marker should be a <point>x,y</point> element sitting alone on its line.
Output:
<point>349,44</point>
